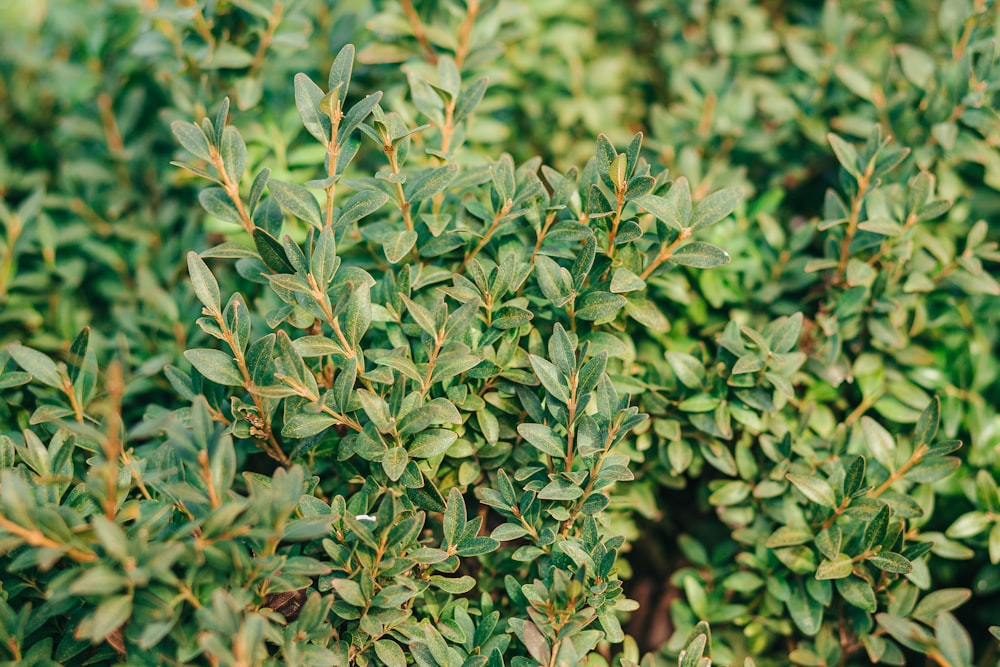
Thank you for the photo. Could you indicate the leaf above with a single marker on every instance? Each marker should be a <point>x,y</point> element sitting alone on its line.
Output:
<point>191,138</point>
<point>876,529</point>
<point>700,255</point>
<point>394,462</point>
<point>927,425</point>
<point>307,101</point>
<point>455,517</point>
<point>390,653</point>
<point>297,200</point>
<point>715,207</point>
<point>857,593</point>
<point>551,378</point>
<point>815,489</point>
<point>431,183</point>
<point>511,317</point>
<point>687,368</point>
<point>218,204</point>
<point>216,365</point>
<point>846,154</point>
<point>891,562</point>
<point>234,153</point>
<point>837,568</point>
<point>543,439</point>
<point>953,640</point>
<point>623,281</point>
<point>271,252</point>
<point>110,615</point>
<point>206,288</point>
<point>599,306</point>
<point>41,367</point>
<point>361,204</point>
<point>397,245</point>
<point>555,281</point>
<point>944,599</point>
<point>880,443</point>
<point>535,642</point>
<point>356,114</point>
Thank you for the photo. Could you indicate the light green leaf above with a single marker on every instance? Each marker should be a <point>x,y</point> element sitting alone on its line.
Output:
<point>216,365</point>
<point>815,489</point>
<point>297,200</point>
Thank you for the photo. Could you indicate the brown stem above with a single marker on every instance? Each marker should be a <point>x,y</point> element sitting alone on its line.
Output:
<point>273,22</point>
<point>504,210</point>
<point>35,538</point>
<point>665,253</point>
<point>465,33</point>
<point>898,475</point>
<point>269,443</point>
<point>418,31</point>
<point>232,188</point>
<point>852,222</point>
<point>404,206</point>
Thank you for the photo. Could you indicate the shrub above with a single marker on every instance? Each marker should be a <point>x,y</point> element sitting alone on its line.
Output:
<point>421,397</point>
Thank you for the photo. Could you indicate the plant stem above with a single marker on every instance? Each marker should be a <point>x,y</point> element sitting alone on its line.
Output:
<point>418,31</point>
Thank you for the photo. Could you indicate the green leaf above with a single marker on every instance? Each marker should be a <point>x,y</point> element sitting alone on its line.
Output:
<point>41,367</point>
<point>511,317</point>
<point>234,153</point>
<point>674,209</point>
<point>432,442</point>
<point>945,599</point>
<point>361,204</point>
<point>394,462</point>
<point>624,281</point>
<point>700,255</point>
<point>556,282</point>
<point>687,368</point>
<point>715,207</point>
<point>339,78</point>
<point>551,377</point>
<point>599,306</point>
<point>307,100</point>
<point>891,562</point>
<point>806,612</point>
<point>880,443</point>
<point>217,366</point>
<point>271,252</point>
<point>815,489</point>
<point>953,640</point>
<point>560,489</point>
<point>431,183</point>
<point>857,593</point>
<point>110,615</point>
<point>846,154</point>
<point>356,114</point>
<point>837,568</point>
<point>297,200</point>
<point>191,138</point>
<point>397,245</point>
<point>218,204</point>
<point>455,517</point>
<point>927,425</point>
<point>206,288</point>
<point>390,653</point>
<point>876,529</point>
<point>906,632</point>
<point>543,438</point>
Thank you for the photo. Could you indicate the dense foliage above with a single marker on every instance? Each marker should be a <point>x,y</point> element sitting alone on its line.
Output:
<point>339,334</point>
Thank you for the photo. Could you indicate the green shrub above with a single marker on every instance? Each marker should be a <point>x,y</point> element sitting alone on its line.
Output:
<point>393,390</point>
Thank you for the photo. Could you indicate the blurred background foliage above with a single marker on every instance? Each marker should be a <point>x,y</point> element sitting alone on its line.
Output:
<point>96,222</point>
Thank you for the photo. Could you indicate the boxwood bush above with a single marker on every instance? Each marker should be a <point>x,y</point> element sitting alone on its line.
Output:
<point>465,333</point>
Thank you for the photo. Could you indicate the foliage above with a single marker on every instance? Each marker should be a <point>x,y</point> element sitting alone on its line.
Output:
<point>356,378</point>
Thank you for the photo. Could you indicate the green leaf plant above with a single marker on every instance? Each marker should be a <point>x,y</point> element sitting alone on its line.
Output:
<point>392,357</point>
